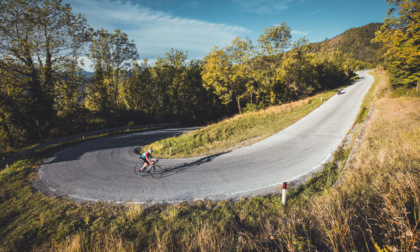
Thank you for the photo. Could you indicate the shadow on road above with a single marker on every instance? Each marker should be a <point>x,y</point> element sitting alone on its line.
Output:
<point>188,166</point>
<point>76,151</point>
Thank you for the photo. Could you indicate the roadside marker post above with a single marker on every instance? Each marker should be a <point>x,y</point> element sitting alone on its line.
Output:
<point>283,196</point>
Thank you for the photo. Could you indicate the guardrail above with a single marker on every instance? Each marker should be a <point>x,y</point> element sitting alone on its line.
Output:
<point>6,162</point>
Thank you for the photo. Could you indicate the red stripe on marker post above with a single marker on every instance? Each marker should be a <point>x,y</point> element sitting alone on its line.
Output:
<point>283,198</point>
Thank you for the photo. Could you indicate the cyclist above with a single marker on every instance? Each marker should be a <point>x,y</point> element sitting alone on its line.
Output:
<point>147,158</point>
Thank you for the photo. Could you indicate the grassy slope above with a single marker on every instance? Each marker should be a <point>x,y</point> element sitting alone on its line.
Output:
<point>238,131</point>
<point>376,206</point>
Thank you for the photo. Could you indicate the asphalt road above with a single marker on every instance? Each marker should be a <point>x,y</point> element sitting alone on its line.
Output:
<point>103,169</point>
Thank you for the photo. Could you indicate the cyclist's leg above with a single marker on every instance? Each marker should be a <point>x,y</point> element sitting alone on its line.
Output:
<point>145,164</point>
<point>149,166</point>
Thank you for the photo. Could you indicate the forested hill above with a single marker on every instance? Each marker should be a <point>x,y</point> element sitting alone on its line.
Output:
<point>355,42</point>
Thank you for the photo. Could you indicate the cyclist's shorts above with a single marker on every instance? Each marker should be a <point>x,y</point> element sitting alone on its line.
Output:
<point>145,160</point>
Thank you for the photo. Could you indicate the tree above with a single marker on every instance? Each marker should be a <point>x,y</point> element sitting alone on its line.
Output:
<point>69,100</point>
<point>300,72</point>
<point>171,90</point>
<point>36,39</point>
<point>271,47</point>
<point>111,55</point>
<point>13,110</point>
<point>226,71</point>
<point>275,40</point>
<point>401,38</point>
<point>193,103</point>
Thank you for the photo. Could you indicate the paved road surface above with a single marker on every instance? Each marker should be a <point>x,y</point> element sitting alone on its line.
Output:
<point>102,169</point>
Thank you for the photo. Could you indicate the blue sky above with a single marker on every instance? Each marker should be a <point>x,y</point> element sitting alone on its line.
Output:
<point>197,26</point>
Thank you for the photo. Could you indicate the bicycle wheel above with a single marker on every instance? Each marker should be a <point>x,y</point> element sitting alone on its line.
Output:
<point>138,172</point>
<point>156,171</point>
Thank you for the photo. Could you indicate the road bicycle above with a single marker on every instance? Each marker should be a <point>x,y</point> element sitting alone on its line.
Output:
<point>153,169</point>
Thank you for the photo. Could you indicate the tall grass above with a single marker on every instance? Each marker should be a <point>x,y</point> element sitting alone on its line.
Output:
<point>375,207</point>
<point>378,205</point>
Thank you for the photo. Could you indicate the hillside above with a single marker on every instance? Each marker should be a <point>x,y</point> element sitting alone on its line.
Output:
<point>354,41</point>
<point>374,206</point>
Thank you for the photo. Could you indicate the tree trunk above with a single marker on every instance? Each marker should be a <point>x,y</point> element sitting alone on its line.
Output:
<point>238,101</point>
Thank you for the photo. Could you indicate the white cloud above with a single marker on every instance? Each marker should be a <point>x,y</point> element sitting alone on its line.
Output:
<point>300,33</point>
<point>264,7</point>
<point>156,32</point>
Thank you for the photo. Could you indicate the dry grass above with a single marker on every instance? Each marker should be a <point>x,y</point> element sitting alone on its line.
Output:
<point>376,207</point>
<point>238,131</point>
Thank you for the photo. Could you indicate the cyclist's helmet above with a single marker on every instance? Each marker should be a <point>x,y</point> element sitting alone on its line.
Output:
<point>150,151</point>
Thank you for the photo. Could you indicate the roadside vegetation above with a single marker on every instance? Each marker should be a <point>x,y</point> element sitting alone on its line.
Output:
<point>367,199</point>
<point>238,131</point>
<point>45,93</point>
<point>374,207</point>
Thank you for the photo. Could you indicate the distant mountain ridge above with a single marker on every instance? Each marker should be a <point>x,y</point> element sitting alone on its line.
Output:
<point>354,41</point>
<point>88,75</point>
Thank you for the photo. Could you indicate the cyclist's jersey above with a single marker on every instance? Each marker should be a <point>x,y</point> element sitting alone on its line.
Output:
<point>144,155</point>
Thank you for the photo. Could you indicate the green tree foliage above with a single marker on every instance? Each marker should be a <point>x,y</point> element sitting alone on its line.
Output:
<point>69,100</point>
<point>36,39</point>
<point>171,90</point>
<point>166,74</point>
<point>42,79</point>
<point>112,56</point>
<point>275,40</point>
<point>272,45</point>
<point>300,76</point>
<point>13,109</point>
<point>274,71</point>
<point>226,71</point>
<point>354,45</point>
<point>400,36</point>
<point>356,42</point>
